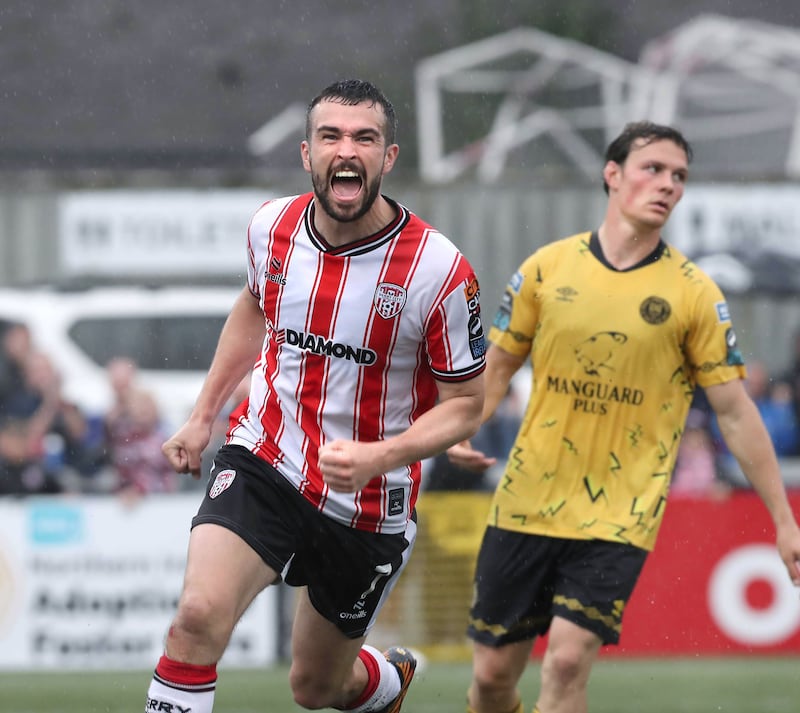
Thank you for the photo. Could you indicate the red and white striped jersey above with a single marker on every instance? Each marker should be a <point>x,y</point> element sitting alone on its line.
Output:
<point>356,336</point>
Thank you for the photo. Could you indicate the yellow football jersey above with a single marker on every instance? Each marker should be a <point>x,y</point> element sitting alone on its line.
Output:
<point>616,356</point>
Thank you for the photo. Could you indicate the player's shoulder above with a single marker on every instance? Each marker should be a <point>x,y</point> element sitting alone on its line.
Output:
<point>273,207</point>
<point>554,252</point>
<point>579,242</point>
<point>692,273</point>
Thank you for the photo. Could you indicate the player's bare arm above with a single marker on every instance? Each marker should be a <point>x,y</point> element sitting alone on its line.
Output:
<point>500,369</point>
<point>237,350</point>
<point>747,438</point>
<point>348,466</point>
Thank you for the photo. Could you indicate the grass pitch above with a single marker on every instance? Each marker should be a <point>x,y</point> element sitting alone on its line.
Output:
<point>753,685</point>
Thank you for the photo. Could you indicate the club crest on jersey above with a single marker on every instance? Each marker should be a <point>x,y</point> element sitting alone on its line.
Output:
<point>221,483</point>
<point>389,299</point>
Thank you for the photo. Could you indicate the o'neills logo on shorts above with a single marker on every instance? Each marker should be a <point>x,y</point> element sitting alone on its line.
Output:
<point>221,483</point>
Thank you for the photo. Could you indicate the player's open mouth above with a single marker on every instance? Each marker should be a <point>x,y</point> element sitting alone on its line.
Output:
<point>346,184</point>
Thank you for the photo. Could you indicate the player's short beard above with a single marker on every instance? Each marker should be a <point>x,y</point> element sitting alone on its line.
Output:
<point>322,191</point>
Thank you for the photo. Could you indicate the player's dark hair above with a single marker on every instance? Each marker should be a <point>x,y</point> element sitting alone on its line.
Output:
<point>619,149</point>
<point>352,92</point>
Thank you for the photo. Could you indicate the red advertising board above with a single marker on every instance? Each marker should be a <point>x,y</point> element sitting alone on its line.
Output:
<point>714,584</point>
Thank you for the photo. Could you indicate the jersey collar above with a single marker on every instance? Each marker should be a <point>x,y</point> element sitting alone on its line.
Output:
<point>357,247</point>
<point>597,251</point>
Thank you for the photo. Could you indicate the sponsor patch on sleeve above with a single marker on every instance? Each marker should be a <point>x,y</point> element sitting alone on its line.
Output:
<point>723,313</point>
<point>734,356</point>
<point>502,317</point>
<point>472,293</point>
<point>477,344</point>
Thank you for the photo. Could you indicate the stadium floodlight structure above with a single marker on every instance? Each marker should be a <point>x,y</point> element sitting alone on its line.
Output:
<point>733,87</point>
<point>539,86</point>
<point>291,121</point>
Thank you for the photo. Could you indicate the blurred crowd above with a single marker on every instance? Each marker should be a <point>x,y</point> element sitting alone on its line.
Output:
<point>705,465</point>
<point>49,445</point>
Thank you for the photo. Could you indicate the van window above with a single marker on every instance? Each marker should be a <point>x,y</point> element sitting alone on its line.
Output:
<point>177,343</point>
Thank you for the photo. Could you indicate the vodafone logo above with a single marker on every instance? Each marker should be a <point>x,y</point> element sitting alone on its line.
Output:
<point>751,598</point>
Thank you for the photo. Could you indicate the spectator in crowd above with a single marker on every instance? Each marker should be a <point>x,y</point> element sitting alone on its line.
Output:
<point>16,346</point>
<point>42,436</point>
<point>777,410</point>
<point>135,447</point>
<point>792,378</point>
<point>773,398</point>
<point>134,434</point>
<point>122,373</point>
<point>22,471</point>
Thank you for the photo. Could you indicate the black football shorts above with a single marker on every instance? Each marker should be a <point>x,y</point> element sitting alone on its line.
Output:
<point>522,581</point>
<point>348,572</point>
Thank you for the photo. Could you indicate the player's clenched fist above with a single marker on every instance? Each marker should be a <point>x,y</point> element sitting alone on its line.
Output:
<point>184,449</point>
<point>347,466</point>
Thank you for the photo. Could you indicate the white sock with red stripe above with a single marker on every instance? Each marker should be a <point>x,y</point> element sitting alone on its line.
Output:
<point>383,683</point>
<point>181,688</point>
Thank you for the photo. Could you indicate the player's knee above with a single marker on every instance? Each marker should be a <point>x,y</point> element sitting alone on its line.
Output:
<point>310,692</point>
<point>491,678</point>
<point>198,619</point>
<point>566,665</point>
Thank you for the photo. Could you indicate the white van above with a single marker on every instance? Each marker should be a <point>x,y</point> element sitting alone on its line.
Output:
<point>171,333</point>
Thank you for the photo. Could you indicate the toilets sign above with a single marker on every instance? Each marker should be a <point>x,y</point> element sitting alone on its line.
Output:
<point>152,233</point>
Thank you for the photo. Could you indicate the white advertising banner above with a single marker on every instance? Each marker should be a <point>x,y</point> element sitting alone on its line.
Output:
<point>151,233</point>
<point>93,583</point>
<point>746,219</point>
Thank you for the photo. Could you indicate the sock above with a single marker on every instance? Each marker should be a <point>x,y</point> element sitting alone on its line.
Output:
<point>383,683</point>
<point>181,687</point>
